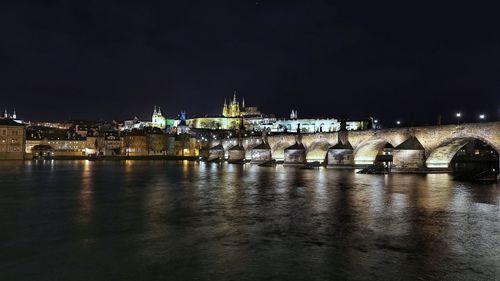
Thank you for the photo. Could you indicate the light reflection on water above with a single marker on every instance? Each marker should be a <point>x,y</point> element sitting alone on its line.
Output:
<point>155,220</point>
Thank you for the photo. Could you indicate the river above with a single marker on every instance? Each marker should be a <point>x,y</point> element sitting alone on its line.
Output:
<point>161,220</point>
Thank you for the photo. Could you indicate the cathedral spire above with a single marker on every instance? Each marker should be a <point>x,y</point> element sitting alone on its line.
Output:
<point>5,114</point>
<point>155,112</point>
<point>243,103</point>
<point>225,109</point>
<point>159,110</point>
<point>14,115</point>
<point>234,96</point>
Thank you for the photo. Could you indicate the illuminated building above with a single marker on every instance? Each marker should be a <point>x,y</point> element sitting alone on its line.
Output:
<point>158,120</point>
<point>185,145</point>
<point>182,125</point>
<point>12,116</point>
<point>95,143</point>
<point>112,143</point>
<point>134,123</point>
<point>156,141</point>
<point>83,129</point>
<point>12,139</point>
<point>214,123</point>
<point>232,109</point>
<point>42,150</point>
<point>59,142</point>
<point>310,125</point>
<point>48,124</point>
<point>135,143</point>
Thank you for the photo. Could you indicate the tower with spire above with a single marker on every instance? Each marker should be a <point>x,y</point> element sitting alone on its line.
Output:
<point>225,109</point>
<point>233,108</point>
<point>158,120</point>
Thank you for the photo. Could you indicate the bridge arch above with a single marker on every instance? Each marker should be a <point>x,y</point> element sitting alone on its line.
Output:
<point>442,155</point>
<point>367,151</point>
<point>317,151</point>
<point>278,149</point>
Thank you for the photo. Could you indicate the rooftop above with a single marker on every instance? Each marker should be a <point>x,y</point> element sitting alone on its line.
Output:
<point>341,145</point>
<point>410,144</point>
<point>296,146</point>
<point>9,122</point>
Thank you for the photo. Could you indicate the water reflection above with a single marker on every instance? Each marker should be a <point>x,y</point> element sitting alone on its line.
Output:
<point>206,221</point>
<point>85,197</point>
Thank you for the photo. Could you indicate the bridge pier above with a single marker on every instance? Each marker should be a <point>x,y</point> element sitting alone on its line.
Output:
<point>295,154</point>
<point>216,153</point>
<point>340,155</point>
<point>409,156</point>
<point>261,153</point>
<point>236,154</point>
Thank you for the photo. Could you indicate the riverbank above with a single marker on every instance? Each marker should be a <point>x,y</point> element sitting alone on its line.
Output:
<point>122,158</point>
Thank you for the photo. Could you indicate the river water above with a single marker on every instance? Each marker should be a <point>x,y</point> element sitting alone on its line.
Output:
<point>156,220</point>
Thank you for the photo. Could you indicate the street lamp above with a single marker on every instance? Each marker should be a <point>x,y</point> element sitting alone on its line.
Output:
<point>458,115</point>
<point>398,122</point>
<point>482,117</point>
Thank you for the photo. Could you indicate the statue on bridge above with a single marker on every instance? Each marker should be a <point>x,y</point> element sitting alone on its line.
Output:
<point>264,136</point>
<point>343,124</point>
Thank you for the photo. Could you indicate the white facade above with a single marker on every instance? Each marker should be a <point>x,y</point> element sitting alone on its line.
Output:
<point>310,125</point>
<point>158,120</point>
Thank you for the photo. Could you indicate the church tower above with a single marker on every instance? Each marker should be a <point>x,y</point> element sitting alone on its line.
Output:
<point>158,120</point>
<point>235,107</point>
<point>155,114</point>
<point>225,110</point>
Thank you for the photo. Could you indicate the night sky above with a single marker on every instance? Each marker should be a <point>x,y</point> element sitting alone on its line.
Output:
<point>107,59</point>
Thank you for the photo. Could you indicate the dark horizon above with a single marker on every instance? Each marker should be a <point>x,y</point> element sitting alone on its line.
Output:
<point>104,60</point>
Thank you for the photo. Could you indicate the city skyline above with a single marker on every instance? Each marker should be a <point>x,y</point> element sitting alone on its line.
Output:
<point>394,121</point>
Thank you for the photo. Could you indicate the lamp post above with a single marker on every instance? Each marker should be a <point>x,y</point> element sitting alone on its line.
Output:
<point>398,122</point>
<point>482,117</point>
<point>458,115</point>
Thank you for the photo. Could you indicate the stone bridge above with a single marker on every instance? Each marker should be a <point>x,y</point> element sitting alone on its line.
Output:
<point>439,144</point>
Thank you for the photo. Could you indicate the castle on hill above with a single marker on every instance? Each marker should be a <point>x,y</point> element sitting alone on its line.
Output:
<point>233,108</point>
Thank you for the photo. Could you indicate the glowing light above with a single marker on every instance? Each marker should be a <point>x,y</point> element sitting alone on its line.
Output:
<point>437,165</point>
<point>482,116</point>
<point>458,115</point>
<point>363,162</point>
<point>398,122</point>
